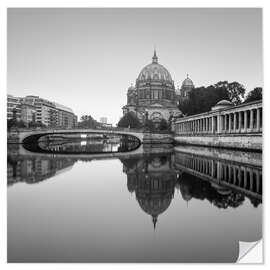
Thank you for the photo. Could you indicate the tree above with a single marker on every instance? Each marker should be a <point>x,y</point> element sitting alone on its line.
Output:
<point>15,123</point>
<point>87,121</point>
<point>202,99</point>
<point>129,120</point>
<point>255,94</point>
<point>235,90</point>
<point>163,125</point>
<point>34,124</point>
<point>149,125</point>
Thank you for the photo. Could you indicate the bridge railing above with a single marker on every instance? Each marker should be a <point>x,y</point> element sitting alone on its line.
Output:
<point>117,129</point>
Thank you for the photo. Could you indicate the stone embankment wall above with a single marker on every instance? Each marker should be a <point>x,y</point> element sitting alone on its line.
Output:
<point>157,138</point>
<point>236,141</point>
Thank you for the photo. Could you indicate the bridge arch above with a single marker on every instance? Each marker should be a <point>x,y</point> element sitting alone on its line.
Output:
<point>30,138</point>
<point>26,136</point>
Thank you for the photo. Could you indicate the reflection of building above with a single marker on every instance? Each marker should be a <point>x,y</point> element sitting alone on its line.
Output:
<point>154,96</point>
<point>33,170</point>
<point>153,180</point>
<point>193,187</point>
<point>224,175</point>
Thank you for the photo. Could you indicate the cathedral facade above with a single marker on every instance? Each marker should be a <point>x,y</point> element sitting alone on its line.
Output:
<point>154,96</point>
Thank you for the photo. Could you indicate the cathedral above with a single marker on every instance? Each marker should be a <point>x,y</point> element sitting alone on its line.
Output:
<point>154,96</point>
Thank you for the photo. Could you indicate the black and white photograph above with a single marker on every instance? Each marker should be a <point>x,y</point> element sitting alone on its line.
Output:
<point>134,134</point>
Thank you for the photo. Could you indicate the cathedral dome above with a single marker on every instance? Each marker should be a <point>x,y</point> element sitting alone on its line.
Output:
<point>155,72</point>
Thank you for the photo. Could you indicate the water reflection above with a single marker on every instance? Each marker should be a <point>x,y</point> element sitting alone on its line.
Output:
<point>218,178</point>
<point>153,179</point>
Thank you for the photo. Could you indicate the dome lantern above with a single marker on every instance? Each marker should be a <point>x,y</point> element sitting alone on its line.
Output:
<point>155,58</point>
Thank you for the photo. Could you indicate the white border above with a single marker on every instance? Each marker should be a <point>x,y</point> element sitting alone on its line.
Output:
<point>128,3</point>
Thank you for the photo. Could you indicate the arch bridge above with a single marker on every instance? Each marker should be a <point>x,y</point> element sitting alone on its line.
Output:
<point>27,136</point>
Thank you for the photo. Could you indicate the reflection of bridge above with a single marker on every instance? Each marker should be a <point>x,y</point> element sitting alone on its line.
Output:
<point>18,149</point>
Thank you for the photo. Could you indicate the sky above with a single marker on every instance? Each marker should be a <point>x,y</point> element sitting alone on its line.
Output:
<point>86,58</point>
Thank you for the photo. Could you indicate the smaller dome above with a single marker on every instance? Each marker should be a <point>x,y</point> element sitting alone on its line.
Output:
<point>222,105</point>
<point>131,88</point>
<point>187,82</point>
<point>224,102</point>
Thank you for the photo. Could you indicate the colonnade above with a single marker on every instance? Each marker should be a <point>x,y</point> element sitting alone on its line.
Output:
<point>249,120</point>
<point>238,119</point>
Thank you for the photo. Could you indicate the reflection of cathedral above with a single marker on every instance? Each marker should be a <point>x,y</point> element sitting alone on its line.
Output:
<point>154,96</point>
<point>153,180</point>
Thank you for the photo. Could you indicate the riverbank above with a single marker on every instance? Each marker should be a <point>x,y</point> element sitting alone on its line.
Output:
<point>251,142</point>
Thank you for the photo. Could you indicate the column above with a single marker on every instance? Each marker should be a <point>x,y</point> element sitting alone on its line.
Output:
<point>222,123</point>
<point>212,121</point>
<point>234,122</point>
<point>240,121</point>
<point>230,122</point>
<point>245,121</point>
<point>258,120</point>
<point>251,120</point>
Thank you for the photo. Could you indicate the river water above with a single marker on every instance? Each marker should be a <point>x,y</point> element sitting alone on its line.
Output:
<point>153,204</point>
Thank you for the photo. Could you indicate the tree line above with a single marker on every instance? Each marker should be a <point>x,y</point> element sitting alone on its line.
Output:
<point>202,99</point>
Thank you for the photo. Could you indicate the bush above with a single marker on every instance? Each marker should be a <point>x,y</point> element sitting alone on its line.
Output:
<point>129,120</point>
<point>163,125</point>
<point>149,125</point>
